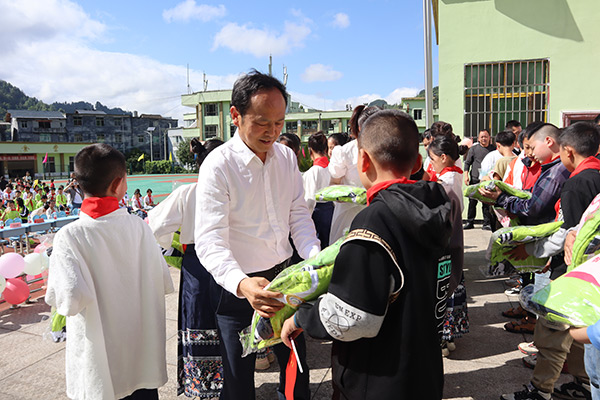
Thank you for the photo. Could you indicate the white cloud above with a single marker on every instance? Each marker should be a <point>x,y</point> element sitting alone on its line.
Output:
<point>261,42</point>
<point>320,73</point>
<point>328,104</point>
<point>188,10</point>
<point>341,20</point>
<point>51,58</point>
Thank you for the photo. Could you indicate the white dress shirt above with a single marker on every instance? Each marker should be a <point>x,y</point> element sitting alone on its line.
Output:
<point>175,212</point>
<point>246,209</point>
<point>315,179</point>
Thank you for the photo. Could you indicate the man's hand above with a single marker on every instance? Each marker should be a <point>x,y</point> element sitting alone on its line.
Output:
<point>263,301</point>
<point>490,194</point>
<point>518,253</point>
<point>289,330</point>
<point>467,180</point>
<point>569,240</point>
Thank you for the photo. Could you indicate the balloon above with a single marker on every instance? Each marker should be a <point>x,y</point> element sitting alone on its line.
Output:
<point>16,291</point>
<point>33,264</point>
<point>45,261</point>
<point>40,248</point>
<point>2,283</point>
<point>11,265</point>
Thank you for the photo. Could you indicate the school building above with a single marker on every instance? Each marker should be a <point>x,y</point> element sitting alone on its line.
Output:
<point>211,117</point>
<point>533,60</point>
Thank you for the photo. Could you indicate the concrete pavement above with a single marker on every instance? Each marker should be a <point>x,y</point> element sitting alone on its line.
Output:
<point>485,364</point>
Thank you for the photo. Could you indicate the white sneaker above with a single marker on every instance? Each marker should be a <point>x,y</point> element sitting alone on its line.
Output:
<point>451,346</point>
<point>528,348</point>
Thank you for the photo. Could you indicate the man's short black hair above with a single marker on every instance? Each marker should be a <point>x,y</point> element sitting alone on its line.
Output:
<point>247,85</point>
<point>506,138</point>
<point>541,128</point>
<point>583,137</point>
<point>391,137</point>
<point>96,166</point>
<point>513,123</point>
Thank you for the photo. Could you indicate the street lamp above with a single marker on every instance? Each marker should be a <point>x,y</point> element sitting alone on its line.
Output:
<point>149,132</point>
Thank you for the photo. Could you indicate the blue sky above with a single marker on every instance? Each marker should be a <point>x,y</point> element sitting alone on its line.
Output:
<point>133,54</point>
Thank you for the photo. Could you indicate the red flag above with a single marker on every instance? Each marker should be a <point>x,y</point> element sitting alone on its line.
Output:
<point>290,376</point>
<point>45,159</point>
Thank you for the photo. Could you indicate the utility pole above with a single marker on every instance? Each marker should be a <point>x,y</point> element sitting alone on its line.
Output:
<point>428,79</point>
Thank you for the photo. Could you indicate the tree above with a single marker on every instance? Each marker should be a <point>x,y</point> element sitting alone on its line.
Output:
<point>185,156</point>
<point>132,157</point>
<point>435,91</point>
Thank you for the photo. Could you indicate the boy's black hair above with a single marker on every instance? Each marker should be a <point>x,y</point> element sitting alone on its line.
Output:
<point>137,191</point>
<point>443,144</point>
<point>520,138</point>
<point>391,137</point>
<point>97,166</point>
<point>42,197</point>
<point>583,137</point>
<point>291,140</point>
<point>512,123</point>
<point>340,138</point>
<point>61,187</point>
<point>506,138</point>
<point>541,128</point>
<point>317,142</point>
<point>247,85</point>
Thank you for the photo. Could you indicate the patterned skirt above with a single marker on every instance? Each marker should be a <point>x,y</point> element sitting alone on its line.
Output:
<point>457,317</point>
<point>199,365</point>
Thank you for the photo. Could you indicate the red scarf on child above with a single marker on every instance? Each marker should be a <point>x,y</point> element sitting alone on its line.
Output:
<point>453,168</point>
<point>384,185</point>
<point>97,207</point>
<point>322,162</point>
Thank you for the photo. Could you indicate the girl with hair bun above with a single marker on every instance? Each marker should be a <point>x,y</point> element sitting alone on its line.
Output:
<point>199,365</point>
<point>316,178</point>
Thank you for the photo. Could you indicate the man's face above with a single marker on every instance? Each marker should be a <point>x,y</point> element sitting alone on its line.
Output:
<point>484,138</point>
<point>263,121</point>
<point>516,130</point>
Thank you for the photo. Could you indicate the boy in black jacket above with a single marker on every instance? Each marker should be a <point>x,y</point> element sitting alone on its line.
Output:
<point>387,296</point>
<point>578,145</point>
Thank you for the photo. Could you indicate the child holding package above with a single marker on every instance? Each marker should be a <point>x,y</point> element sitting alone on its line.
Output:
<point>113,297</point>
<point>387,296</point>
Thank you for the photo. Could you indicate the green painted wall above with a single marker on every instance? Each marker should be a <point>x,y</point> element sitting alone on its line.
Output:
<point>567,32</point>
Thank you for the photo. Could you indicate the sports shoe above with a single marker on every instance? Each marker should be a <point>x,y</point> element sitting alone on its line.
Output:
<point>530,361</point>
<point>513,281</point>
<point>270,355</point>
<point>486,228</point>
<point>468,225</point>
<point>494,270</point>
<point>513,291</point>
<point>451,346</point>
<point>262,362</point>
<point>528,348</point>
<point>529,393</point>
<point>573,390</point>
<point>445,349</point>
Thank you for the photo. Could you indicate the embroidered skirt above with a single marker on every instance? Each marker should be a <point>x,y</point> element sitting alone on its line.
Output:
<point>457,317</point>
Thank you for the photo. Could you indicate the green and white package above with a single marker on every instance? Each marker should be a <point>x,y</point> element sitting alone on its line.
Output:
<point>573,298</point>
<point>472,191</point>
<point>298,283</point>
<point>343,194</point>
<point>505,239</point>
<point>587,242</point>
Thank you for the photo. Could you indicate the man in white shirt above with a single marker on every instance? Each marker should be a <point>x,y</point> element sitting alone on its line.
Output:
<point>249,199</point>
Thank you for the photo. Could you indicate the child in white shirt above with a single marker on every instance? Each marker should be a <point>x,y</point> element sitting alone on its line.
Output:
<point>108,277</point>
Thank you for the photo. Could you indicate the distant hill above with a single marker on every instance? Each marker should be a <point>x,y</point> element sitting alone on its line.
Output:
<point>436,91</point>
<point>13,98</point>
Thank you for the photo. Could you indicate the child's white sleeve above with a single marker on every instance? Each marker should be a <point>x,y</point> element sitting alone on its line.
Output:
<point>67,289</point>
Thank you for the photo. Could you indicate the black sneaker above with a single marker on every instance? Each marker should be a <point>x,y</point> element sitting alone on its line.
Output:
<point>486,228</point>
<point>573,390</point>
<point>468,225</point>
<point>529,393</point>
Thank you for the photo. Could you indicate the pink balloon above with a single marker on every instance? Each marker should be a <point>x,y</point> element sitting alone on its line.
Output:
<point>11,265</point>
<point>40,248</point>
<point>16,291</point>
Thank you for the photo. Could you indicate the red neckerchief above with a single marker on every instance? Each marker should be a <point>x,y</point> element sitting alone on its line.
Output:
<point>453,168</point>
<point>150,198</point>
<point>322,162</point>
<point>588,163</point>
<point>137,200</point>
<point>431,172</point>
<point>97,207</point>
<point>384,185</point>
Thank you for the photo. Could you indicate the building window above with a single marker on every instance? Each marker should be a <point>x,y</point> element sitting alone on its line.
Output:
<point>210,131</point>
<point>45,137</point>
<point>44,124</point>
<point>118,121</point>
<point>140,138</point>
<point>291,127</point>
<point>23,124</point>
<point>211,109</point>
<point>50,167</point>
<point>100,138</point>
<point>309,127</point>
<point>498,92</point>
<point>118,138</point>
<point>99,121</point>
<point>77,121</point>
<point>417,114</point>
<point>78,137</point>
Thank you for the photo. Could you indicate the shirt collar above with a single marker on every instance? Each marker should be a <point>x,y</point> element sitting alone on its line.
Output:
<point>246,154</point>
<point>97,207</point>
<point>373,190</point>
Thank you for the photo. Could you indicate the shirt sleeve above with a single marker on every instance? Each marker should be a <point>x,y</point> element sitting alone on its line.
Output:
<point>67,289</point>
<point>356,303</point>
<point>548,246</point>
<point>309,179</point>
<point>337,167</point>
<point>469,159</point>
<point>211,230</point>
<point>166,218</point>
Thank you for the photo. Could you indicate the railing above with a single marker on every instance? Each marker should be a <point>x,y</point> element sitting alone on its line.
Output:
<point>50,130</point>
